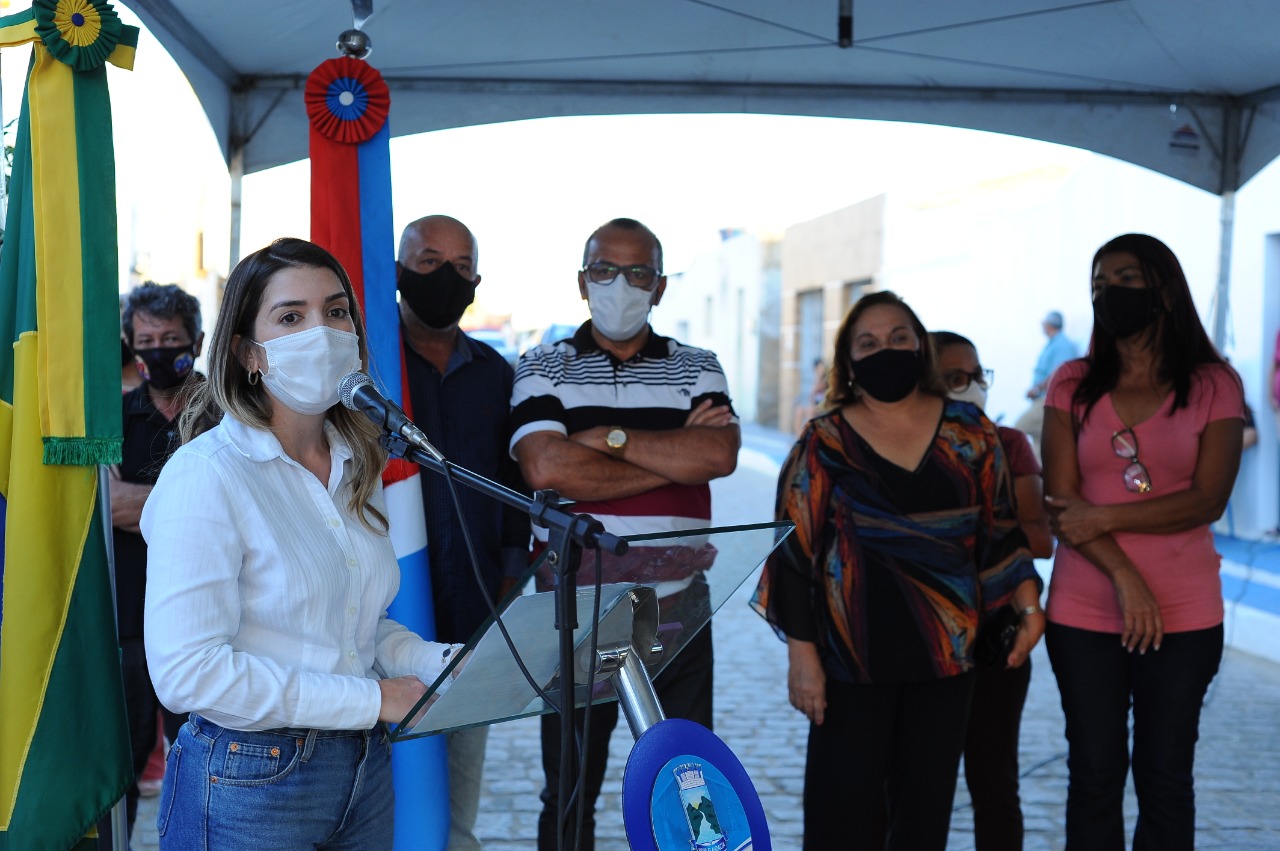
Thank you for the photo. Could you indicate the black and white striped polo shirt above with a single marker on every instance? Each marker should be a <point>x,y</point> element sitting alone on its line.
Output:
<point>573,384</point>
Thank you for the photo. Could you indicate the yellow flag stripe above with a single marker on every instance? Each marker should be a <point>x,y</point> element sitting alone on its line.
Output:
<point>56,204</point>
<point>123,56</point>
<point>52,505</point>
<point>17,33</point>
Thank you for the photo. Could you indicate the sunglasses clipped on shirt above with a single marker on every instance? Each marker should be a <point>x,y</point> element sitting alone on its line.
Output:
<point>1136,478</point>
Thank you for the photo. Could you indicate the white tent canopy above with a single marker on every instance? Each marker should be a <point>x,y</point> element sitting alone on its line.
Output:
<point>1183,87</point>
<point>1187,88</point>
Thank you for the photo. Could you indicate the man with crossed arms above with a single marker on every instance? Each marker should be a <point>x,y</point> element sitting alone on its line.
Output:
<point>631,426</point>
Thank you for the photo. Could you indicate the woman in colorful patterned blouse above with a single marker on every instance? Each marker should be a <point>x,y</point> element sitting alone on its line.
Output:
<point>905,534</point>
<point>1141,446</point>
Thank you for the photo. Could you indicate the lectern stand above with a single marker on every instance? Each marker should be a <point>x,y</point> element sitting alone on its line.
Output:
<point>653,599</point>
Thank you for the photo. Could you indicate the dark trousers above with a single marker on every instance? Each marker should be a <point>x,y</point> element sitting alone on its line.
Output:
<point>1100,681</point>
<point>881,769</point>
<point>684,689</point>
<point>141,706</point>
<point>991,756</point>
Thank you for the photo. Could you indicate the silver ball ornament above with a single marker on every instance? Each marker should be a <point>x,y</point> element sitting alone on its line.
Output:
<point>354,43</point>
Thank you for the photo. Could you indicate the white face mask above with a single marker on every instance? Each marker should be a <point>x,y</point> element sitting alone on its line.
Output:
<point>618,310</point>
<point>304,369</point>
<point>973,393</point>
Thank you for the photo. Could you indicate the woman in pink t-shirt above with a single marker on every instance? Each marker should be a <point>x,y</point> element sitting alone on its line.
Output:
<point>1141,445</point>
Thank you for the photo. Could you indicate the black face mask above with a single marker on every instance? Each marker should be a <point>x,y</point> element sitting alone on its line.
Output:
<point>889,375</point>
<point>439,297</point>
<point>166,367</point>
<point>1125,311</point>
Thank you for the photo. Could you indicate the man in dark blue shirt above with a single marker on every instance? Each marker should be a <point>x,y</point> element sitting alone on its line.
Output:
<point>459,392</point>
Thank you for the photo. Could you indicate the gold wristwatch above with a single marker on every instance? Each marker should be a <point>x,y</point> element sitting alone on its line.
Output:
<point>616,440</point>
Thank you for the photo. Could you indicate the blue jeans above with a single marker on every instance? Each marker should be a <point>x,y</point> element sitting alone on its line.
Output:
<point>1099,681</point>
<point>228,790</point>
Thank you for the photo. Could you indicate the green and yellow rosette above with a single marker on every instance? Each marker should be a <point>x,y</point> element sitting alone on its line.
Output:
<point>83,34</point>
<point>79,33</point>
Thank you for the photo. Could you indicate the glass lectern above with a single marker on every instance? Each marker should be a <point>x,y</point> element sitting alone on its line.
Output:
<point>653,599</point>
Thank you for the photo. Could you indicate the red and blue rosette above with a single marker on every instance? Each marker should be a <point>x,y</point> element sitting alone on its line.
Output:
<point>347,105</point>
<point>347,100</point>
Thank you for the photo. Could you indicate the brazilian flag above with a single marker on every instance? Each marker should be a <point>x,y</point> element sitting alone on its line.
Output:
<point>64,741</point>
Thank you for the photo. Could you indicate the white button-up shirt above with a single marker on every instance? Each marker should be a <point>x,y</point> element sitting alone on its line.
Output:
<point>266,598</point>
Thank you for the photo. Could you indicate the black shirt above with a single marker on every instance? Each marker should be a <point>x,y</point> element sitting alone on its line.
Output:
<point>149,440</point>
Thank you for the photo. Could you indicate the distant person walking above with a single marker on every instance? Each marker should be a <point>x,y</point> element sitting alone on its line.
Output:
<point>1058,349</point>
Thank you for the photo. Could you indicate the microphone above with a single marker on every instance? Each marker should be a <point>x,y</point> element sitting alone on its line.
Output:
<point>358,392</point>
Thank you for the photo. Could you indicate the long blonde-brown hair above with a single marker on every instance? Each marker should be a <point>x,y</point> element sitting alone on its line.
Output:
<point>228,389</point>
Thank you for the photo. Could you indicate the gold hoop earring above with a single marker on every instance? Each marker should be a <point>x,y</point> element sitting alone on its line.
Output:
<point>253,377</point>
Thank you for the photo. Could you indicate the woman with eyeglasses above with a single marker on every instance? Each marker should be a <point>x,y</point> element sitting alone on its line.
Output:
<point>999,692</point>
<point>905,534</point>
<point>1141,445</point>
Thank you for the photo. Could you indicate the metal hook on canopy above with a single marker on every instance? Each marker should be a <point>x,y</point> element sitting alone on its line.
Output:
<point>354,42</point>
<point>361,10</point>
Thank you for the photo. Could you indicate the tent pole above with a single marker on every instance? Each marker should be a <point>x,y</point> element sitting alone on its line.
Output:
<point>1222,298</point>
<point>119,817</point>
<point>1228,183</point>
<point>236,170</point>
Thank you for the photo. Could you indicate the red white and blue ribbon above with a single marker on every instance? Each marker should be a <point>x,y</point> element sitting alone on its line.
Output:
<point>347,107</point>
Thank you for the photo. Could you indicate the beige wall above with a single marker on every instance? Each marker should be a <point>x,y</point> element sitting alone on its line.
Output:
<point>829,253</point>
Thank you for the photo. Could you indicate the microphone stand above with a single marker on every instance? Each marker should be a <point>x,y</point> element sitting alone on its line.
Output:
<point>568,535</point>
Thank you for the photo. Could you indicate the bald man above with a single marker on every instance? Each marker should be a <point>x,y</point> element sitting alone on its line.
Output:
<point>633,426</point>
<point>459,390</point>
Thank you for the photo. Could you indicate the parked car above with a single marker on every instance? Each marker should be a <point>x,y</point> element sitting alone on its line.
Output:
<point>500,340</point>
<point>554,333</point>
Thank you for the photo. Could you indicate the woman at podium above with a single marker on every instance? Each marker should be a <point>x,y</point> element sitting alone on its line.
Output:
<point>269,576</point>
<point>905,537</point>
